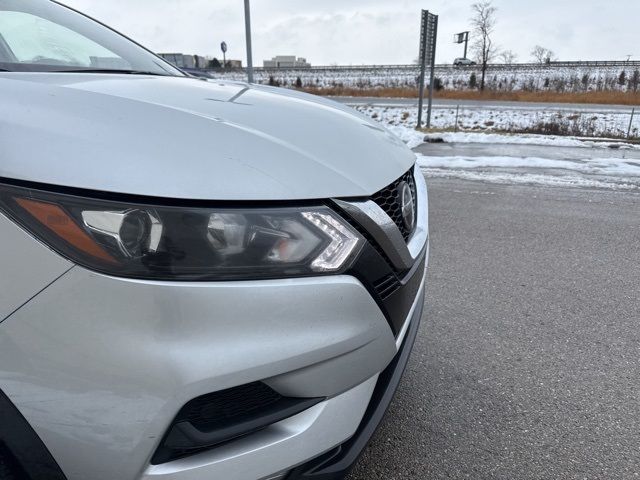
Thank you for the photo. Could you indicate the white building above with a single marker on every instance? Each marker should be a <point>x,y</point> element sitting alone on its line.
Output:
<point>286,61</point>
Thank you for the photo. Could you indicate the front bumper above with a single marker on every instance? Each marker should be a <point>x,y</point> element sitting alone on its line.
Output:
<point>99,366</point>
<point>335,464</point>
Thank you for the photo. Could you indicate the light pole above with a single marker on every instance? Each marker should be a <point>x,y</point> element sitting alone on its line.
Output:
<point>247,24</point>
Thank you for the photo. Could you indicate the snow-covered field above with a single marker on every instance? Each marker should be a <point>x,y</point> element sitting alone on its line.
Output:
<point>597,123</point>
<point>525,77</point>
<point>527,139</point>
<point>598,167</point>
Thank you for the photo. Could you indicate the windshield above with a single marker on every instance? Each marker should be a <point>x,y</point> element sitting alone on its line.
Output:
<point>43,36</point>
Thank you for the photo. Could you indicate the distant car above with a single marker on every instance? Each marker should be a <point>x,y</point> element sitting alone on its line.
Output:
<point>463,62</point>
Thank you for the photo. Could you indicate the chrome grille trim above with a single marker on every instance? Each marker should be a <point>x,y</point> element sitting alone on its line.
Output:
<point>421,231</point>
<point>382,228</point>
<point>385,231</point>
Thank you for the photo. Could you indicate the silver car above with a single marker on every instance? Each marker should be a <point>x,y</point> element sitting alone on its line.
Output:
<point>199,279</point>
<point>463,62</point>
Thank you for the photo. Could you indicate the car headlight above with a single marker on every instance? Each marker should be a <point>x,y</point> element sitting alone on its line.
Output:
<point>162,242</point>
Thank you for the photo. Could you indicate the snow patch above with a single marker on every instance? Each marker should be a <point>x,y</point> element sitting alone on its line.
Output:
<point>491,119</point>
<point>524,139</point>
<point>533,179</point>
<point>411,137</point>
<point>604,166</point>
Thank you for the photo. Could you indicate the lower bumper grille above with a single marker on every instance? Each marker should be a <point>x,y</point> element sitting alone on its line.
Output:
<point>220,417</point>
<point>386,286</point>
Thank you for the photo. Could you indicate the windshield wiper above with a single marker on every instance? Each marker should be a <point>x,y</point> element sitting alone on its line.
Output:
<point>111,70</point>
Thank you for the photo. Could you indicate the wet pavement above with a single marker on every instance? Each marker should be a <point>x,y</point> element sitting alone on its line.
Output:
<point>528,151</point>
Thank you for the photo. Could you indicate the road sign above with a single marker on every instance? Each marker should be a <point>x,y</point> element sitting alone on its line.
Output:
<point>428,37</point>
<point>223,47</point>
<point>462,38</point>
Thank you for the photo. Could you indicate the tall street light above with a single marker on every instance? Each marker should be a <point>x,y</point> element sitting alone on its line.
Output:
<point>247,24</point>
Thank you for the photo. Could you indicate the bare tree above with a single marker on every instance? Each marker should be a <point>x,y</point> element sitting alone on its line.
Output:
<point>509,56</point>
<point>484,22</point>
<point>539,53</point>
<point>542,54</point>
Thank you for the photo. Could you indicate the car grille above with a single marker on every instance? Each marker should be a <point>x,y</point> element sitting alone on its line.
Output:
<point>227,405</point>
<point>387,286</point>
<point>216,418</point>
<point>389,200</point>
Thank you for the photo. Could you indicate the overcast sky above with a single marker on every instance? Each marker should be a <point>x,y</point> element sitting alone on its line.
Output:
<point>370,31</point>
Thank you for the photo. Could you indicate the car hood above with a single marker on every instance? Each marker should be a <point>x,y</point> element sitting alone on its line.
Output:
<point>185,138</point>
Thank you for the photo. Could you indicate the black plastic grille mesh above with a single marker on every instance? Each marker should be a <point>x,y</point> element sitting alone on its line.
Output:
<point>386,286</point>
<point>217,418</point>
<point>228,405</point>
<point>389,200</point>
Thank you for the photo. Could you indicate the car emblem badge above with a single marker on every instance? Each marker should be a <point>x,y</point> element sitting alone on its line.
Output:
<point>407,204</point>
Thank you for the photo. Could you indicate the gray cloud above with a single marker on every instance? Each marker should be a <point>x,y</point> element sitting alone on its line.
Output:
<point>369,31</point>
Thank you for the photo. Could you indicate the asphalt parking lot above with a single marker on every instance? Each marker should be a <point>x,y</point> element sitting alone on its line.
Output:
<point>527,365</point>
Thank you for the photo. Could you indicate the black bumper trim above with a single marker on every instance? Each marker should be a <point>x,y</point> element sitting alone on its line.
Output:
<point>25,446</point>
<point>336,464</point>
<point>220,417</point>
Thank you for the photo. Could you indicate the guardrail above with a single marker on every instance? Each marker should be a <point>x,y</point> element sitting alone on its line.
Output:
<point>492,66</point>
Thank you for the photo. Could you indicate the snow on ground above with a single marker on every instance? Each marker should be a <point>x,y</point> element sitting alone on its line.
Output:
<point>555,78</point>
<point>410,136</point>
<point>527,139</point>
<point>610,173</point>
<point>523,178</point>
<point>604,166</point>
<point>610,124</point>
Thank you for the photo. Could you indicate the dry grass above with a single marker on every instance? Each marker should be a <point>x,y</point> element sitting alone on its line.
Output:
<point>603,97</point>
<point>386,92</point>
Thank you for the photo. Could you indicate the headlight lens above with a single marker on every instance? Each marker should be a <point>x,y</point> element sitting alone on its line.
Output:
<point>185,243</point>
